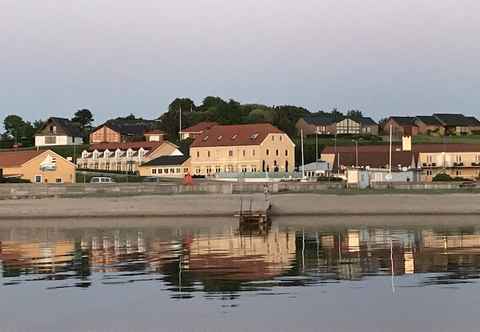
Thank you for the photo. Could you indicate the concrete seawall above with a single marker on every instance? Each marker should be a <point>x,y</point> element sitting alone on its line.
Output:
<point>172,206</point>
<point>21,191</point>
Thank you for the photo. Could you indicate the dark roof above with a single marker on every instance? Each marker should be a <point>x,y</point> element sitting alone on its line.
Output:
<point>71,129</point>
<point>429,120</point>
<point>235,135</point>
<point>456,120</point>
<point>167,161</point>
<point>473,121</point>
<point>365,121</point>
<point>322,119</point>
<point>129,127</point>
<point>417,148</point>
<point>404,120</point>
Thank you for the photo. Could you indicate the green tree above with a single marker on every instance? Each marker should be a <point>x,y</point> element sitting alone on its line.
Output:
<point>84,119</point>
<point>22,132</point>
<point>355,114</point>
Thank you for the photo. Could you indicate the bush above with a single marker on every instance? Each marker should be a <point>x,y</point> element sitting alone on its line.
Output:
<point>442,177</point>
<point>13,180</point>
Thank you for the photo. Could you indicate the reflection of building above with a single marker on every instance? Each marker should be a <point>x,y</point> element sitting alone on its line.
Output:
<point>37,166</point>
<point>242,257</point>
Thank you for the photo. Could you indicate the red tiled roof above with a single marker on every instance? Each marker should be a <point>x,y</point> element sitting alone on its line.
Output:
<point>375,159</point>
<point>199,127</point>
<point>235,135</point>
<point>17,158</point>
<point>124,146</point>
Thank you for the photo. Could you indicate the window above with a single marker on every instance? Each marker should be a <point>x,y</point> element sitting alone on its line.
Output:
<point>58,180</point>
<point>160,170</point>
<point>165,170</point>
<point>209,170</point>
<point>244,169</point>
<point>253,168</point>
<point>280,138</point>
<point>38,179</point>
<point>253,153</point>
<point>218,169</point>
<point>198,170</point>
<point>185,170</point>
<point>208,153</point>
<point>107,166</point>
<point>154,171</point>
<point>244,153</point>
<point>268,152</point>
<point>198,154</point>
<point>458,172</point>
<point>230,153</point>
<point>273,138</point>
<point>234,137</point>
<point>276,152</point>
<point>50,140</point>
<point>172,170</point>
<point>286,153</point>
<point>429,172</point>
<point>178,170</point>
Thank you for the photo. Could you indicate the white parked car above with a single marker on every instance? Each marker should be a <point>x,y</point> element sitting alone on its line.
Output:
<point>101,179</point>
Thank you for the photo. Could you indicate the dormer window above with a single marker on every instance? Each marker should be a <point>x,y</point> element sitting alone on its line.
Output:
<point>205,138</point>
<point>219,138</point>
<point>234,137</point>
<point>254,136</point>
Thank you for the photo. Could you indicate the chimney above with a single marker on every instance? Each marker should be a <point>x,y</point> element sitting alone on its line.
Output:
<point>406,143</point>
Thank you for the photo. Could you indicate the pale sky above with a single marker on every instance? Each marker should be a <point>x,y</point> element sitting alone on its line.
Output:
<point>115,57</point>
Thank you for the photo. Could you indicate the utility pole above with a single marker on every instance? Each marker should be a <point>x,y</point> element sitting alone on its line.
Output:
<point>303,159</point>
<point>180,123</point>
<point>390,153</point>
<point>316,146</point>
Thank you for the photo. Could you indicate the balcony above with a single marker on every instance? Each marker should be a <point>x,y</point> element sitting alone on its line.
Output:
<point>476,164</point>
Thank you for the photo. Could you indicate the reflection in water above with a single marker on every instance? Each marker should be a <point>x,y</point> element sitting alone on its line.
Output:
<point>226,262</point>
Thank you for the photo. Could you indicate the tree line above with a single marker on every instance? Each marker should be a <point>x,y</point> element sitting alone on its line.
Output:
<point>214,109</point>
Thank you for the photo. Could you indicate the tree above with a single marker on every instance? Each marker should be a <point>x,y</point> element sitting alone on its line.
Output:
<point>186,104</point>
<point>355,114</point>
<point>84,119</point>
<point>21,131</point>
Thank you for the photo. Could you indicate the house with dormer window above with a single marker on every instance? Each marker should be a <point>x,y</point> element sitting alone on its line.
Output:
<point>244,148</point>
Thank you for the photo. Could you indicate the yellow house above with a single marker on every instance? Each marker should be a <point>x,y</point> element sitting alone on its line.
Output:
<point>242,148</point>
<point>166,166</point>
<point>37,166</point>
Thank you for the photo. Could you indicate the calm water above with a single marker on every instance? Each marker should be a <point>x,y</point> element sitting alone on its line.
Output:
<point>223,278</point>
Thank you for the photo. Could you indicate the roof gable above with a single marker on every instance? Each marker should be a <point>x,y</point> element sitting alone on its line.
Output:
<point>70,128</point>
<point>404,120</point>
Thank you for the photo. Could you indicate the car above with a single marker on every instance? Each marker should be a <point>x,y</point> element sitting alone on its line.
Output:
<point>102,179</point>
<point>468,184</point>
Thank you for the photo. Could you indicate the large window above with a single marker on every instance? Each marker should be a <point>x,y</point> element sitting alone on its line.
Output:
<point>50,139</point>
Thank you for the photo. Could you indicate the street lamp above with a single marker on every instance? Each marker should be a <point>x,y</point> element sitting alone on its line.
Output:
<point>356,151</point>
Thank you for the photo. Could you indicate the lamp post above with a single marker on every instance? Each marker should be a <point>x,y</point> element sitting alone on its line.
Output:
<point>356,152</point>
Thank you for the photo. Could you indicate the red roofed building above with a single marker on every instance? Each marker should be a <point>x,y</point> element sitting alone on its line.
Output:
<point>37,166</point>
<point>456,160</point>
<point>241,149</point>
<point>196,130</point>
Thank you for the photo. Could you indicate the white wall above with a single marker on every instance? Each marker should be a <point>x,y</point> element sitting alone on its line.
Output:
<point>60,140</point>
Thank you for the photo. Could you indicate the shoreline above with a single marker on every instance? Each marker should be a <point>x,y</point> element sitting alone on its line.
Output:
<point>218,205</point>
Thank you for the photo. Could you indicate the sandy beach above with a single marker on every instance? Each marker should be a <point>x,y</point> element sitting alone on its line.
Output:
<point>217,205</point>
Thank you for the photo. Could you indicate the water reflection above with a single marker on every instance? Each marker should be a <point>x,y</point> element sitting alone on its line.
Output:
<point>229,261</point>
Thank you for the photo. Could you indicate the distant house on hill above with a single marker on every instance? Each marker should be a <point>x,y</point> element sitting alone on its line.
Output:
<point>58,131</point>
<point>196,130</point>
<point>428,124</point>
<point>120,131</point>
<point>401,126</point>
<point>321,124</point>
<point>458,124</point>
<point>329,124</point>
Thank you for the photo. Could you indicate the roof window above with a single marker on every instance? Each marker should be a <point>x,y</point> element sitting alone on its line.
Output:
<point>254,136</point>
<point>205,138</point>
<point>234,137</point>
<point>219,138</point>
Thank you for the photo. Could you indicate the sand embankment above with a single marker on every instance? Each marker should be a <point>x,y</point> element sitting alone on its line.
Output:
<point>225,205</point>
